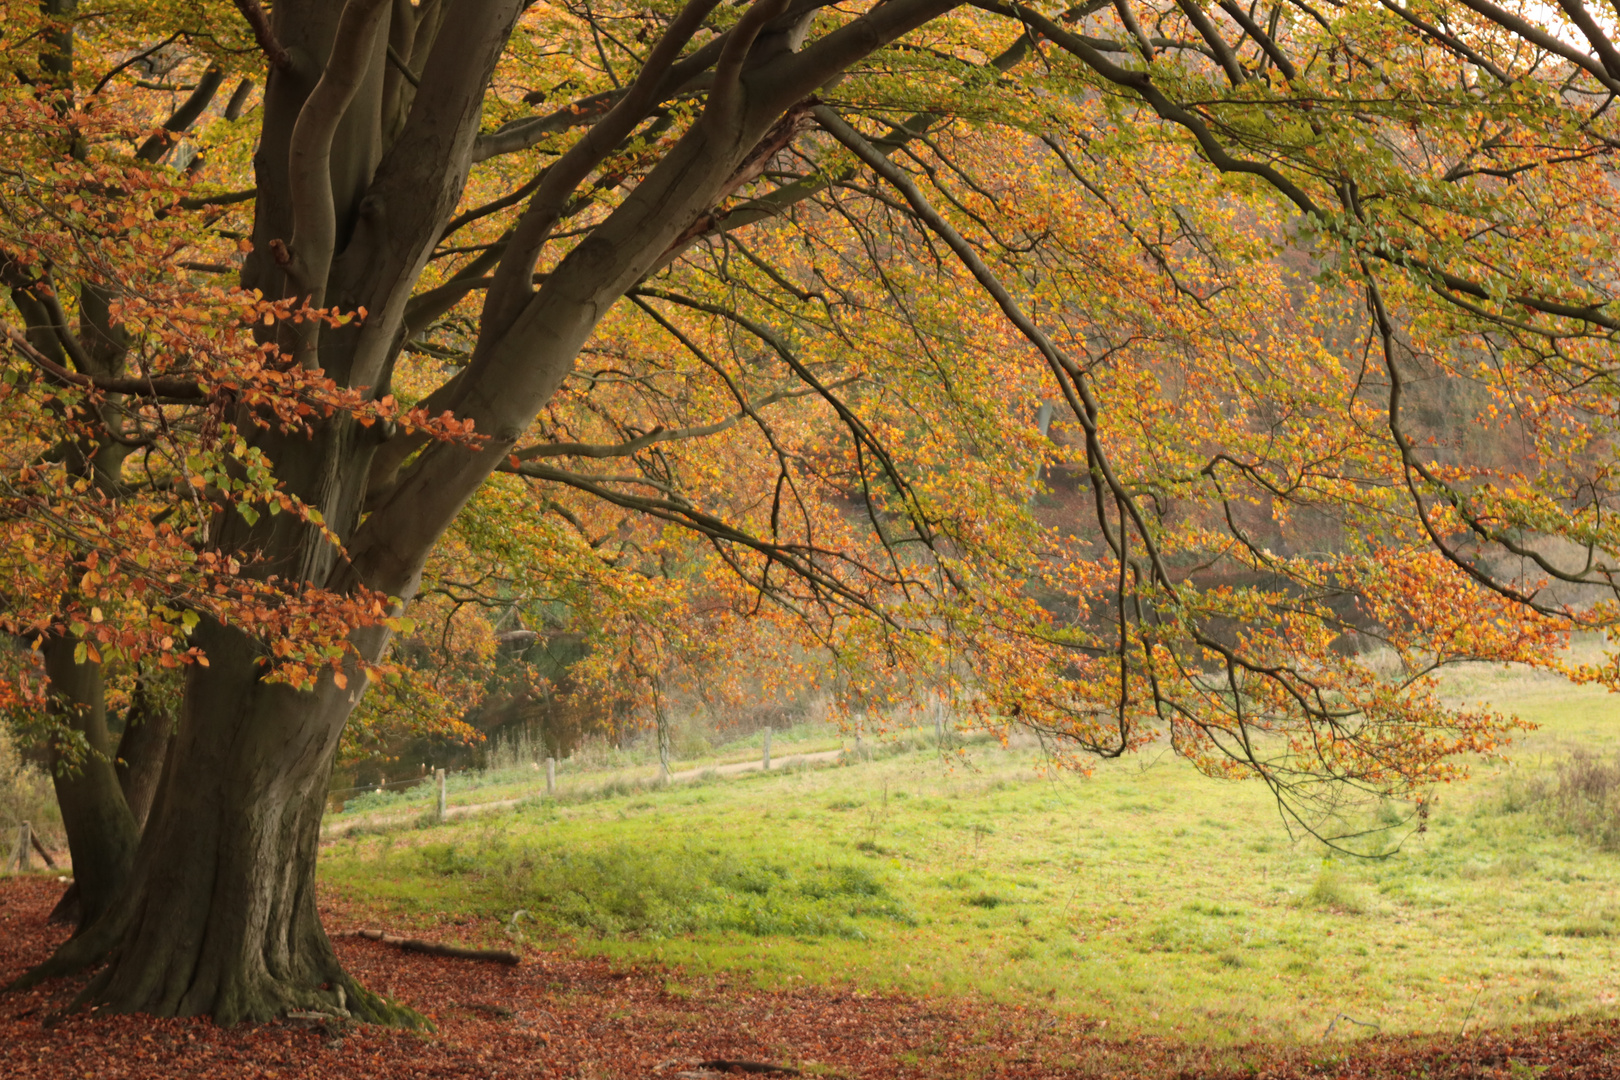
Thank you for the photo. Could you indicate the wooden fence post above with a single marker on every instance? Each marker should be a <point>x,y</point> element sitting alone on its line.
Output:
<point>438,780</point>
<point>767,763</point>
<point>551,776</point>
<point>18,860</point>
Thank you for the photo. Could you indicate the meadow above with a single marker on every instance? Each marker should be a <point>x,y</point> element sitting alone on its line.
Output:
<point>1143,897</point>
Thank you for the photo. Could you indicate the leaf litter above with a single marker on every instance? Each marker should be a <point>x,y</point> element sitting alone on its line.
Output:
<point>560,1015</point>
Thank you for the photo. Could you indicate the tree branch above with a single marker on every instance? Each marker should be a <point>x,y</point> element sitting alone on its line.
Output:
<point>1223,52</point>
<point>309,157</point>
<point>1534,34</point>
<point>179,389</point>
<point>511,289</point>
<point>263,34</point>
<point>722,107</point>
<point>663,435</point>
<point>183,117</point>
<point>796,558</point>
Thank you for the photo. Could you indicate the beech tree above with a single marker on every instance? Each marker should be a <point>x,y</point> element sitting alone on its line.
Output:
<point>825,264</point>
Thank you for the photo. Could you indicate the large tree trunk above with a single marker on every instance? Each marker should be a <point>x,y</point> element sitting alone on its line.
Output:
<point>143,749</point>
<point>219,917</point>
<point>142,752</point>
<point>101,832</point>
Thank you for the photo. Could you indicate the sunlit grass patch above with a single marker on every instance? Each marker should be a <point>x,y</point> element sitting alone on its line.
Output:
<point>1334,892</point>
<point>1145,895</point>
<point>653,891</point>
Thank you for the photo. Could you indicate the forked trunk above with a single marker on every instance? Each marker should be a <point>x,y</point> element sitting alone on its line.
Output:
<point>101,832</point>
<point>142,751</point>
<point>219,917</point>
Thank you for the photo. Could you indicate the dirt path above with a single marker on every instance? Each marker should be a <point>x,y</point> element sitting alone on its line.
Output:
<point>335,829</point>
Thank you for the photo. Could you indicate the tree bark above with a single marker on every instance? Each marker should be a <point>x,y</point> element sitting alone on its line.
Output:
<point>101,832</point>
<point>142,750</point>
<point>219,917</point>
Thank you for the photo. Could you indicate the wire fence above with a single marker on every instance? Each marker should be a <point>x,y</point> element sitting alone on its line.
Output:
<point>516,757</point>
<point>340,794</point>
<point>389,785</point>
<point>603,773</point>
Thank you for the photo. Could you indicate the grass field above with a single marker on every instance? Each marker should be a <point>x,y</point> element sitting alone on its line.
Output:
<point>1144,896</point>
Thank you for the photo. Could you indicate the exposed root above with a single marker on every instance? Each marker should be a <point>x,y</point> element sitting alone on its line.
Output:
<point>340,996</point>
<point>77,954</point>
<point>375,1009</point>
<point>324,987</point>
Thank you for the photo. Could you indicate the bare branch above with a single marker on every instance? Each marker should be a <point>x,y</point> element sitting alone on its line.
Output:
<point>159,388</point>
<point>183,117</point>
<point>1206,30</point>
<point>263,34</point>
<point>663,435</point>
<point>1450,41</point>
<point>511,288</point>
<point>722,110</point>
<point>1534,34</point>
<point>522,134</point>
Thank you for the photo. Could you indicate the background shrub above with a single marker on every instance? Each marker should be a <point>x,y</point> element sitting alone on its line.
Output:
<point>1581,796</point>
<point>25,795</point>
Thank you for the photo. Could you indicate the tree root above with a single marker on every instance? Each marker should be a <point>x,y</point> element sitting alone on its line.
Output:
<point>723,1065</point>
<point>340,996</point>
<point>67,909</point>
<point>373,1008</point>
<point>77,954</point>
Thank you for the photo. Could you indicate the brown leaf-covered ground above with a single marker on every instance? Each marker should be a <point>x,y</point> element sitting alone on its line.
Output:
<point>563,1016</point>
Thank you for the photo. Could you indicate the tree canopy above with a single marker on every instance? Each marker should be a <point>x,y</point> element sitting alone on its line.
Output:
<point>1127,371</point>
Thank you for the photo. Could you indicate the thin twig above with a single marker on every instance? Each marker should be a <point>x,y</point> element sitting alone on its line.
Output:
<point>1353,1020</point>
<point>1469,1015</point>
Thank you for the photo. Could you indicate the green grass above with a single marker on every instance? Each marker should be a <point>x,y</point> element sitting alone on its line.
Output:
<point>1144,895</point>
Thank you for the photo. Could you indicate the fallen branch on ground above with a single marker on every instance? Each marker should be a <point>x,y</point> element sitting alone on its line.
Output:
<point>721,1065</point>
<point>499,956</point>
<point>1353,1020</point>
